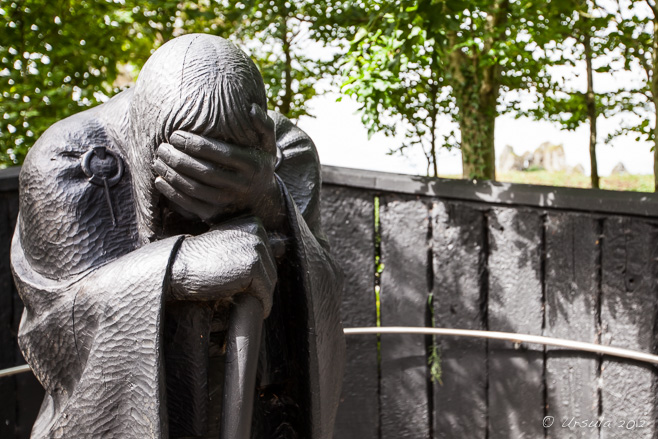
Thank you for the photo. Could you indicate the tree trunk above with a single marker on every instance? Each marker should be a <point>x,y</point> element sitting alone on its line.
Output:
<point>591,111</point>
<point>477,122</point>
<point>434,114</point>
<point>435,167</point>
<point>476,89</point>
<point>477,145</point>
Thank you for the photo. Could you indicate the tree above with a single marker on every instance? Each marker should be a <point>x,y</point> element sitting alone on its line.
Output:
<point>482,49</point>
<point>634,34</point>
<point>405,90</point>
<point>58,58</point>
<point>584,38</point>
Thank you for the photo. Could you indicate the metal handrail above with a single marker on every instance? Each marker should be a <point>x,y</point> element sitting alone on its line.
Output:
<point>514,338</point>
<point>471,333</point>
<point>14,370</point>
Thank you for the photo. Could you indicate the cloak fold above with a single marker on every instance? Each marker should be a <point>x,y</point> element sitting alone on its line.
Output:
<point>94,343</point>
<point>93,326</point>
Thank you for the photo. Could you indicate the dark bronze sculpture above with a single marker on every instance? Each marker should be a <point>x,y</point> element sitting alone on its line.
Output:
<point>156,232</point>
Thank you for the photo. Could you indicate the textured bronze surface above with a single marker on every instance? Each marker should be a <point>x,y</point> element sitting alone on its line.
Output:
<point>146,225</point>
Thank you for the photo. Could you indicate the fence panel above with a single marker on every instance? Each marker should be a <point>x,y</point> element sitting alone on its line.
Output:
<point>349,222</point>
<point>459,257</point>
<point>572,290</point>
<point>563,262</point>
<point>405,412</point>
<point>516,386</point>
<point>628,318</point>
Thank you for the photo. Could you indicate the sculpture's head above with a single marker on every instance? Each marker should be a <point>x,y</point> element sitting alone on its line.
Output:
<point>198,83</point>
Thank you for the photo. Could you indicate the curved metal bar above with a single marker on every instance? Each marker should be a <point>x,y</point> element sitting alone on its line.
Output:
<point>512,337</point>
<point>14,370</point>
<point>471,333</point>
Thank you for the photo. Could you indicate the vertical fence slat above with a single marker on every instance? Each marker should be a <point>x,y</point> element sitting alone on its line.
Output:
<point>404,293</point>
<point>516,405</point>
<point>571,291</point>
<point>460,400</point>
<point>348,219</point>
<point>628,318</point>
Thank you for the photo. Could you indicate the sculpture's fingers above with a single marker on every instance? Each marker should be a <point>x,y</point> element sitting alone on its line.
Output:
<point>203,210</point>
<point>223,153</point>
<point>265,127</point>
<point>193,188</point>
<point>198,169</point>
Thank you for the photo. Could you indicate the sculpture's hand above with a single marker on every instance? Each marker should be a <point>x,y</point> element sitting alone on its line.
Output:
<point>233,258</point>
<point>215,180</point>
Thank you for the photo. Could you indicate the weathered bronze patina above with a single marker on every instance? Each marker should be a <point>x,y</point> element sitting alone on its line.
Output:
<point>158,233</point>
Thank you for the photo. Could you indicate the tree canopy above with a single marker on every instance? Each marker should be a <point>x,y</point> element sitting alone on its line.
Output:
<point>462,54</point>
<point>58,58</point>
<point>408,63</point>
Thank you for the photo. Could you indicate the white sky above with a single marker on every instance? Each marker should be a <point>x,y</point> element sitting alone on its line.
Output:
<point>342,140</point>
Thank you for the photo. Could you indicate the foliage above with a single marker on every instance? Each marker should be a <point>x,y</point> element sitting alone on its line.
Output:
<point>453,57</point>
<point>633,35</point>
<point>621,35</point>
<point>58,58</point>
<point>634,27</point>
<point>412,64</point>
<point>404,89</point>
<point>280,35</point>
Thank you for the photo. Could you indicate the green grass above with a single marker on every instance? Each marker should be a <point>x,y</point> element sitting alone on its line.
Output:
<point>639,183</point>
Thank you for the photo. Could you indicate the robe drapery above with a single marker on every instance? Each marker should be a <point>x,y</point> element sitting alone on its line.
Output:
<point>93,328</point>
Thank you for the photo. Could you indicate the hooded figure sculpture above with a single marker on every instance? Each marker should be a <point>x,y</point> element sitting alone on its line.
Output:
<point>145,224</point>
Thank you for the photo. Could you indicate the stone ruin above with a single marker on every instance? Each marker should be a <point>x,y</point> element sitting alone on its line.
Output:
<point>547,157</point>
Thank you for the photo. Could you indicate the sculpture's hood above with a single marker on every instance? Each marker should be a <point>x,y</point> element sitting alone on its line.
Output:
<point>198,83</point>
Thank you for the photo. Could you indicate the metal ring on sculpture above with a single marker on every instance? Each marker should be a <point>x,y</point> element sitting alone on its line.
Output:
<point>101,151</point>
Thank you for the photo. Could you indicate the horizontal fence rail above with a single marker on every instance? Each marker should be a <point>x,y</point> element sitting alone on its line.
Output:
<point>559,263</point>
<point>493,192</point>
<point>14,370</point>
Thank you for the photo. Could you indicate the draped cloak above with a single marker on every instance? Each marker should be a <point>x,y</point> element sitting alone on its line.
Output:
<point>93,328</point>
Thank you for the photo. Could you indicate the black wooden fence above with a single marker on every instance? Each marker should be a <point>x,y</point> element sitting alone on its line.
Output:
<point>567,263</point>
<point>570,263</point>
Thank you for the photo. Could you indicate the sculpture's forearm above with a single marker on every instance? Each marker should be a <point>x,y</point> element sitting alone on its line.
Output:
<point>233,258</point>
